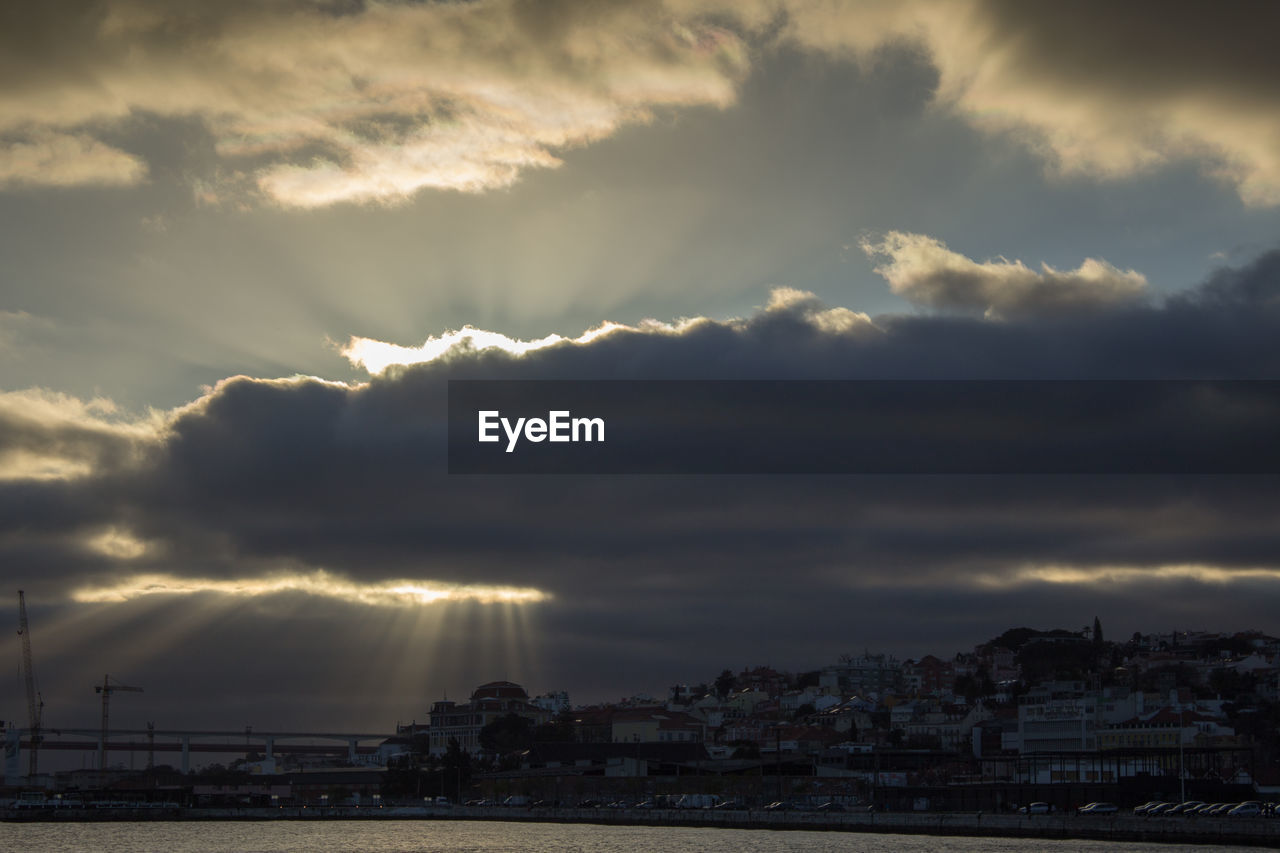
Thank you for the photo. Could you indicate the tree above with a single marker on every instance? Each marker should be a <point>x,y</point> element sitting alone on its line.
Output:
<point>1097,632</point>
<point>511,733</point>
<point>456,768</point>
<point>808,679</point>
<point>559,730</point>
<point>724,683</point>
<point>969,686</point>
<point>1055,660</point>
<point>1012,639</point>
<point>407,773</point>
<point>1232,683</point>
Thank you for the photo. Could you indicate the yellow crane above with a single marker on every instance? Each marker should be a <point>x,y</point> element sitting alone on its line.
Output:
<point>35,702</point>
<point>106,688</point>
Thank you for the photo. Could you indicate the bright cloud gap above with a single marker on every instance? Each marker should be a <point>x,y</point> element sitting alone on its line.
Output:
<point>396,593</point>
<point>1126,575</point>
<point>376,356</point>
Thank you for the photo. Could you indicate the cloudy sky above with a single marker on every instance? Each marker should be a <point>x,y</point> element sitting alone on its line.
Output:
<point>246,244</point>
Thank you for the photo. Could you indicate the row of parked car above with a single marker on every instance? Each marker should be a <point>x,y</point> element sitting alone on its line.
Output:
<point>631,804</point>
<point>1251,808</point>
<point>789,806</point>
<point>689,801</point>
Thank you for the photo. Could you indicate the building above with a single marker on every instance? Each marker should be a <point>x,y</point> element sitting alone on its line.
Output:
<point>1166,728</point>
<point>489,702</point>
<point>555,702</point>
<point>656,726</point>
<point>1057,717</point>
<point>928,676</point>
<point>864,675</point>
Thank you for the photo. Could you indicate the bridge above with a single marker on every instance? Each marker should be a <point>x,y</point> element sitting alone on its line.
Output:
<point>244,742</point>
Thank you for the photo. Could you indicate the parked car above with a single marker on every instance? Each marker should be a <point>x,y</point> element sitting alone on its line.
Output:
<point>1036,808</point>
<point>1142,809</point>
<point>1186,808</point>
<point>694,801</point>
<point>1098,808</point>
<point>1253,808</point>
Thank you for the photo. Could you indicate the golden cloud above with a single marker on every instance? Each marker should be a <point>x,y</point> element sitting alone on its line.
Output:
<point>395,593</point>
<point>366,107</point>
<point>924,271</point>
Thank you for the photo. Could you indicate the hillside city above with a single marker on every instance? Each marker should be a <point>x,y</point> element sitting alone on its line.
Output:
<point>1063,717</point>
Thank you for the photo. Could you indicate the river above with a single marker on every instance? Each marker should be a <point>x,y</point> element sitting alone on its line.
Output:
<point>417,836</point>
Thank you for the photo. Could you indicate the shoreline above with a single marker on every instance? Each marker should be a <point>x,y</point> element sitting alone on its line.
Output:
<point>1258,832</point>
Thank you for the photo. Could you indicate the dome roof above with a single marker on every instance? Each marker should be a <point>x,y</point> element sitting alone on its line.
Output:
<point>499,690</point>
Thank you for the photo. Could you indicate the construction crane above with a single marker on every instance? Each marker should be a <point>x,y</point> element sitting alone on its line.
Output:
<point>35,702</point>
<point>106,688</point>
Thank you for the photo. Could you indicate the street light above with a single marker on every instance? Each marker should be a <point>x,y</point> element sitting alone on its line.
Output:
<point>1182,767</point>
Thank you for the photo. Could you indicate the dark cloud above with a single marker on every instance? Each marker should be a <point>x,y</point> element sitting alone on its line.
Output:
<point>1146,84</point>
<point>1145,48</point>
<point>1092,89</point>
<point>668,577</point>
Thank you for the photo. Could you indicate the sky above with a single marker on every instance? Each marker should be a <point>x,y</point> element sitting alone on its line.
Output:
<point>245,245</point>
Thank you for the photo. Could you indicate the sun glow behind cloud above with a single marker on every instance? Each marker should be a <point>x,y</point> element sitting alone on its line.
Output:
<point>376,356</point>
<point>1067,575</point>
<point>47,435</point>
<point>396,593</point>
<point>118,544</point>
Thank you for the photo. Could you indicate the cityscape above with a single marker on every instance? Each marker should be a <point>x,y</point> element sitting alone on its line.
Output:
<point>1058,716</point>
